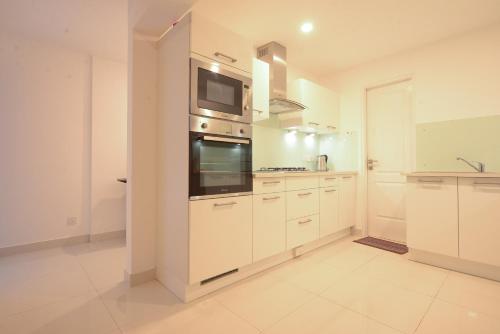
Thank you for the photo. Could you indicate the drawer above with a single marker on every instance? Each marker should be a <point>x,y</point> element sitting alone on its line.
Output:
<point>269,225</point>
<point>268,185</point>
<point>302,203</point>
<point>301,231</point>
<point>329,181</point>
<point>301,182</point>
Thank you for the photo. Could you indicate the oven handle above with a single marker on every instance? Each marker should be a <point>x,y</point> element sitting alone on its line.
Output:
<point>226,140</point>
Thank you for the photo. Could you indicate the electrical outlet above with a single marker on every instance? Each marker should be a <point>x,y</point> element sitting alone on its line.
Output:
<point>71,221</point>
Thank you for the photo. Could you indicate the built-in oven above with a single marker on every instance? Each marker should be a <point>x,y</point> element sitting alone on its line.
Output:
<point>220,93</point>
<point>220,158</point>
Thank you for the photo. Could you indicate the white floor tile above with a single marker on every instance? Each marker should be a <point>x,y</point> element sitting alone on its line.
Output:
<point>444,317</point>
<point>80,315</point>
<point>396,307</point>
<point>479,294</point>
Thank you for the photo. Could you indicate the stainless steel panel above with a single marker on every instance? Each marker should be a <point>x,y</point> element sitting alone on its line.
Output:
<point>219,127</point>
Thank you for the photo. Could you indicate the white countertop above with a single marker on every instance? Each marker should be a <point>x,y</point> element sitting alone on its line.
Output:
<point>258,174</point>
<point>452,174</point>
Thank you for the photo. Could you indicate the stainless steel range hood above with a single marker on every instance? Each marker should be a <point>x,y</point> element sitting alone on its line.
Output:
<point>275,55</point>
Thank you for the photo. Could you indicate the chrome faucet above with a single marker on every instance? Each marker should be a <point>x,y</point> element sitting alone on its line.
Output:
<point>479,168</point>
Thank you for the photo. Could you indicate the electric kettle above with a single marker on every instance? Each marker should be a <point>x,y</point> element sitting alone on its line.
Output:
<point>321,165</point>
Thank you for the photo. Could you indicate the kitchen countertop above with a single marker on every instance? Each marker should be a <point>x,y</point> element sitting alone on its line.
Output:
<point>452,174</point>
<point>258,174</point>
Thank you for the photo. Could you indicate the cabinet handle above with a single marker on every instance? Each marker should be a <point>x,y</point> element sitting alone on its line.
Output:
<point>330,191</point>
<point>331,127</point>
<point>430,181</point>
<point>224,204</point>
<point>231,59</point>
<point>271,182</point>
<point>330,178</point>
<point>347,177</point>
<point>270,198</point>
<point>487,184</point>
<point>305,221</point>
<point>304,194</point>
<point>313,123</point>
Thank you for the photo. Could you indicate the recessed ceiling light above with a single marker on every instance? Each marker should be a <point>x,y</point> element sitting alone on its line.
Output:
<point>307,27</point>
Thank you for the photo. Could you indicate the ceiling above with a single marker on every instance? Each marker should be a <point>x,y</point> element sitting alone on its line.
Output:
<point>97,27</point>
<point>349,32</point>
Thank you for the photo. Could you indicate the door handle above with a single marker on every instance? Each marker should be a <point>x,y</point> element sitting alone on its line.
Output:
<point>370,163</point>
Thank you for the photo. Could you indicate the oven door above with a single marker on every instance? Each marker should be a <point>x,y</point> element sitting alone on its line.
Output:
<point>219,93</point>
<point>220,166</point>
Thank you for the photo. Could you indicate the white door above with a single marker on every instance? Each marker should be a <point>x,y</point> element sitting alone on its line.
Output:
<point>389,124</point>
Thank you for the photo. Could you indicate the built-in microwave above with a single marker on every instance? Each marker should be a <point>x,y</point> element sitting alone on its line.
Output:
<point>220,154</point>
<point>220,93</point>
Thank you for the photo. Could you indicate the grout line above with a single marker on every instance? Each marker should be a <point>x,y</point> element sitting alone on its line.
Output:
<point>424,315</point>
<point>236,314</point>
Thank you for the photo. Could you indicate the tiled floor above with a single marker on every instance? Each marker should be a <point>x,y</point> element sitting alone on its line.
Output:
<point>344,288</point>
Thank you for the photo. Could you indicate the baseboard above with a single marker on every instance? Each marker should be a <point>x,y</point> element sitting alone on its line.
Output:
<point>140,278</point>
<point>11,250</point>
<point>41,245</point>
<point>107,235</point>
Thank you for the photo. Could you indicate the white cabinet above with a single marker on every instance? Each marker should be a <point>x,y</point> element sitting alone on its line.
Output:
<point>302,203</point>
<point>322,105</point>
<point>301,231</point>
<point>269,225</point>
<point>479,219</point>
<point>220,236</point>
<point>432,214</point>
<point>347,201</point>
<point>301,182</point>
<point>268,185</point>
<point>329,181</point>
<point>260,84</point>
<point>220,44</point>
<point>329,211</point>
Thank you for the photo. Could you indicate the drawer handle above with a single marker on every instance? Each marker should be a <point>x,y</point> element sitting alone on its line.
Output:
<point>347,177</point>
<point>330,191</point>
<point>331,127</point>
<point>305,221</point>
<point>314,123</point>
<point>430,181</point>
<point>220,54</point>
<point>487,184</point>
<point>330,178</point>
<point>304,194</point>
<point>270,198</point>
<point>271,182</point>
<point>224,204</point>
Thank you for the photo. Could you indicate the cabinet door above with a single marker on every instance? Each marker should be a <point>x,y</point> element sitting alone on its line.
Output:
<point>479,219</point>
<point>301,231</point>
<point>347,201</point>
<point>269,225</point>
<point>266,185</point>
<point>432,214</point>
<point>328,211</point>
<point>260,84</point>
<point>220,44</point>
<point>302,203</point>
<point>220,236</point>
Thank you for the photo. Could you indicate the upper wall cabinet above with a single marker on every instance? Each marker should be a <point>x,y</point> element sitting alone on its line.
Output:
<point>220,44</point>
<point>260,83</point>
<point>322,105</point>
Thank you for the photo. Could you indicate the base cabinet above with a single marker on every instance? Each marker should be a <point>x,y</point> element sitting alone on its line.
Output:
<point>479,220</point>
<point>432,214</point>
<point>347,201</point>
<point>220,236</point>
<point>269,225</point>
<point>329,211</point>
<point>301,231</point>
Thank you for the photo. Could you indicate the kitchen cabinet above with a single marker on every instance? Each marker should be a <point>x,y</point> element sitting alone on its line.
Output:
<point>269,225</point>
<point>260,84</point>
<point>329,211</point>
<point>220,236</point>
<point>268,185</point>
<point>301,182</point>
<point>479,219</point>
<point>322,105</point>
<point>302,230</point>
<point>432,214</point>
<point>302,203</point>
<point>347,201</point>
<point>329,181</point>
<point>220,44</point>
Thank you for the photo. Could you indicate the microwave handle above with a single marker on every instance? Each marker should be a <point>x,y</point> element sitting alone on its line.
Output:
<point>248,97</point>
<point>226,140</point>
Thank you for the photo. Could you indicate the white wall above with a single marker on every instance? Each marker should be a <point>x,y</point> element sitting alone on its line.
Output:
<point>45,141</point>
<point>109,145</point>
<point>453,79</point>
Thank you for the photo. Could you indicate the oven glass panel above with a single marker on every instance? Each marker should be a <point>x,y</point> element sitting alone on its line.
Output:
<point>219,167</point>
<point>218,92</point>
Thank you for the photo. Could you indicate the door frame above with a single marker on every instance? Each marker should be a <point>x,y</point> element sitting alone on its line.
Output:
<point>364,140</point>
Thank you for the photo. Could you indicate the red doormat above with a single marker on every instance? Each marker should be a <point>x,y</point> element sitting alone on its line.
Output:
<point>383,244</point>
